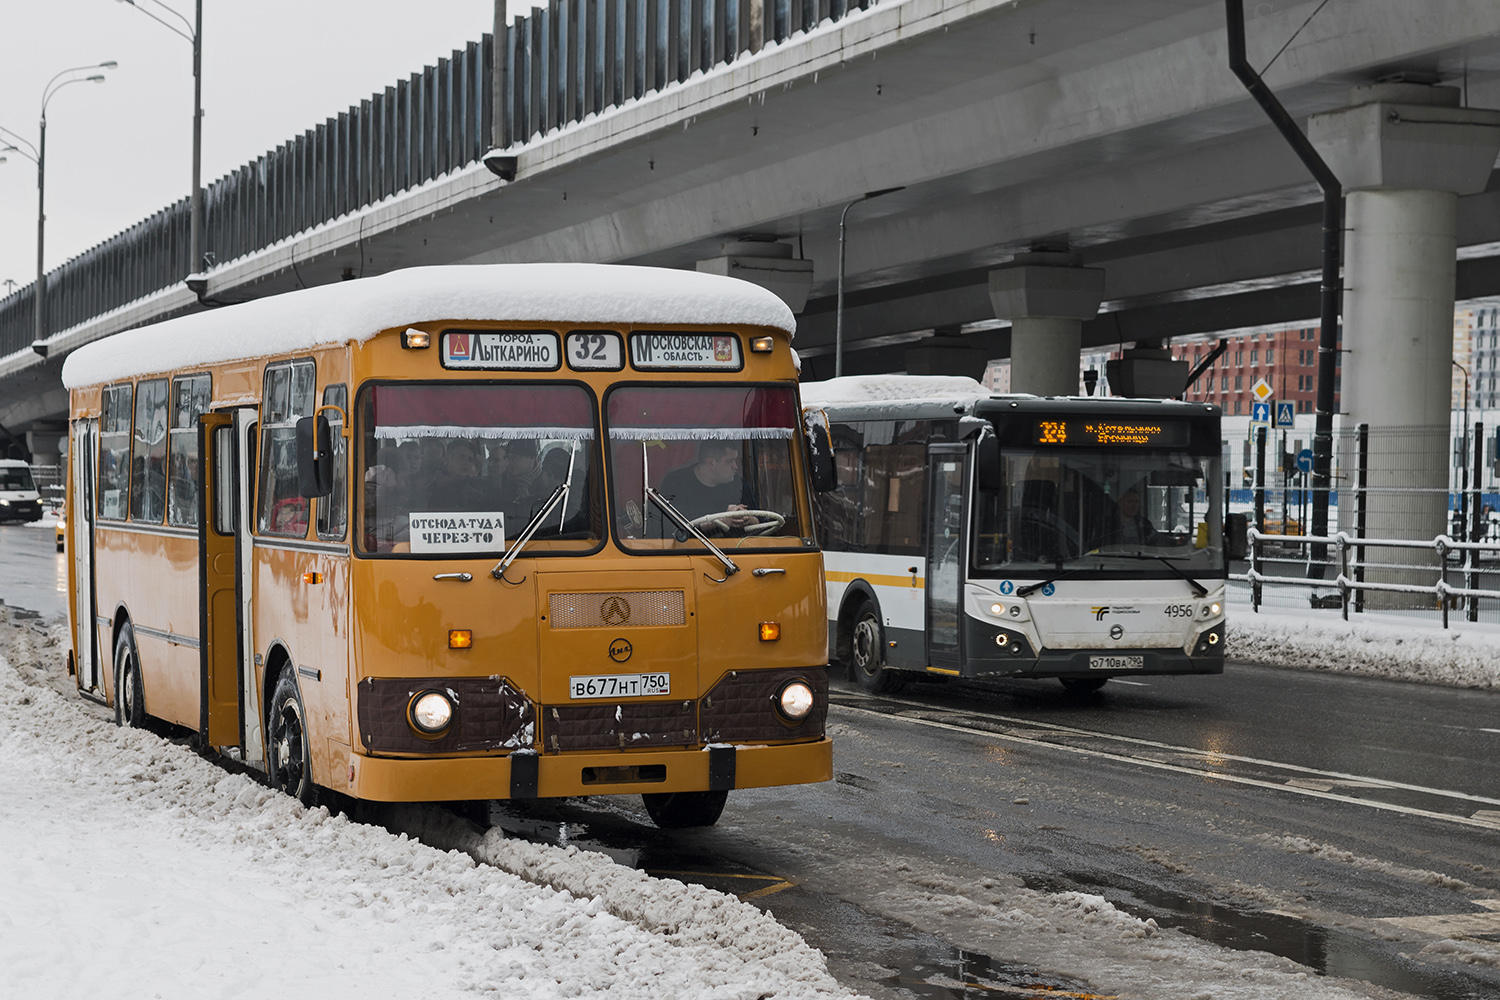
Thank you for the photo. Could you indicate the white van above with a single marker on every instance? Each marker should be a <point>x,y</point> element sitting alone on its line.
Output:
<point>19,500</point>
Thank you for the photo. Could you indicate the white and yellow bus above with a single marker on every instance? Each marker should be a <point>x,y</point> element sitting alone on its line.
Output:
<point>439,535</point>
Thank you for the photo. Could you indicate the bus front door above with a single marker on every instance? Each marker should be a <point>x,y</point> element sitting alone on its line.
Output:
<point>218,551</point>
<point>80,542</point>
<point>945,556</point>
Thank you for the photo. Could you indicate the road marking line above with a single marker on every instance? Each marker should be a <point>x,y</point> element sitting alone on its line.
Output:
<point>1194,751</point>
<point>1178,769</point>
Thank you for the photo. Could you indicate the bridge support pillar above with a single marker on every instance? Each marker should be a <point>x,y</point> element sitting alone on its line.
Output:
<point>765,263</point>
<point>947,352</point>
<point>1404,153</point>
<point>1046,296</point>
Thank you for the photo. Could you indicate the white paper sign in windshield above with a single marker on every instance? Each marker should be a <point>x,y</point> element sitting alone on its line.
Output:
<point>466,531</point>
<point>508,350</point>
<point>694,351</point>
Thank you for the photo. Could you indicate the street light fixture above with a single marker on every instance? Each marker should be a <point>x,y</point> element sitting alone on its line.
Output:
<point>37,154</point>
<point>194,36</point>
<point>838,320</point>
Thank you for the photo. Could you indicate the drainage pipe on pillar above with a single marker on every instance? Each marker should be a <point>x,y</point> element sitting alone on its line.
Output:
<point>1333,233</point>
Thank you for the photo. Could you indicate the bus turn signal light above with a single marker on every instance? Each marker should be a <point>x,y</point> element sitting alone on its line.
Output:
<point>460,638</point>
<point>770,631</point>
<point>312,577</point>
<point>763,345</point>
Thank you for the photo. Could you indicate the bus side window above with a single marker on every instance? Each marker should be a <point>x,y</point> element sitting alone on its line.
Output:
<point>114,452</point>
<point>288,395</point>
<point>190,397</point>
<point>148,454</point>
<point>333,510</point>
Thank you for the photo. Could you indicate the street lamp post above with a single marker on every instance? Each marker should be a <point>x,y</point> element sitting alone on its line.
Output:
<point>194,35</point>
<point>38,154</point>
<point>838,319</point>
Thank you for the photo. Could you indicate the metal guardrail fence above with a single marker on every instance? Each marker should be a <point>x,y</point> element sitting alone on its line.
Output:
<point>569,59</point>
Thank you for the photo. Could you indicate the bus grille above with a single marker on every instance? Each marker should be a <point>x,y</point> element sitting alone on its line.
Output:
<point>617,609</point>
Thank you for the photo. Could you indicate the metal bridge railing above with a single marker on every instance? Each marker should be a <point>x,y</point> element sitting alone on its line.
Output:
<point>567,60</point>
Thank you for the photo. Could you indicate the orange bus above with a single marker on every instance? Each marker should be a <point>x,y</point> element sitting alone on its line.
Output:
<point>457,533</point>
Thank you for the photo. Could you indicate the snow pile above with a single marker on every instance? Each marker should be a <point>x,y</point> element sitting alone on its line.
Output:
<point>893,388</point>
<point>358,310</point>
<point>1466,655</point>
<point>136,869</point>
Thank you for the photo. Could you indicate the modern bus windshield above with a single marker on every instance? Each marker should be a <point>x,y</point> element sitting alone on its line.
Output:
<point>1101,509</point>
<point>719,456</point>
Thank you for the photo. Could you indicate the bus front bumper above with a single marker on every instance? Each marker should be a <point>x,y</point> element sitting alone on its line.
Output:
<point>527,775</point>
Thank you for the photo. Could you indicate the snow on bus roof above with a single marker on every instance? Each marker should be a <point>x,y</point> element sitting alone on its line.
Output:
<point>358,310</point>
<point>893,389</point>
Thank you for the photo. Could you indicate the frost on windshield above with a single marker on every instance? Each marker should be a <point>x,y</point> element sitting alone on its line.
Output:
<point>722,456</point>
<point>1100,510</point>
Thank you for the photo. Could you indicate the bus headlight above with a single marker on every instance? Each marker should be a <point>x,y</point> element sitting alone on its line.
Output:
<point>795,701</point>
<point>1212,609</point>
<point>431,713</point>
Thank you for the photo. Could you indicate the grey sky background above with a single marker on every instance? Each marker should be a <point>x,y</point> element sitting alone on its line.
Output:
<point>121,150</point>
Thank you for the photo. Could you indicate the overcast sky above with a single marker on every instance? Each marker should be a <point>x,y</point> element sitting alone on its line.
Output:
<point>119,151</point>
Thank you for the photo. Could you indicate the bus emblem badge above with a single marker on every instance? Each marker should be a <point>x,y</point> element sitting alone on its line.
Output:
<point>1116,631</point>
<point>620,650</point>
<point>615,611</point>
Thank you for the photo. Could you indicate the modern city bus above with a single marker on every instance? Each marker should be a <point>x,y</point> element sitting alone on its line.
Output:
<point>441,535</point>
<point>986,536</point>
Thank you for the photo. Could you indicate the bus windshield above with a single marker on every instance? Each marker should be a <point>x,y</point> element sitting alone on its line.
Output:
<point>462,468</point>
<point>16,477</point>
<point>719,455</point>
<point>1101,509</point>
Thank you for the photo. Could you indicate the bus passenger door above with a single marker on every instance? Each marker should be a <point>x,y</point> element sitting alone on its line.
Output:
<point>218,554</point>
<point>80,542</point>
<point>945,555</point>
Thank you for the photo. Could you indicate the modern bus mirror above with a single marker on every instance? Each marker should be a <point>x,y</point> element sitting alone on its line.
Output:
<point>825,474</point>
<point>987,472</point>
<point>314,465</point>
<point>1236,536</point>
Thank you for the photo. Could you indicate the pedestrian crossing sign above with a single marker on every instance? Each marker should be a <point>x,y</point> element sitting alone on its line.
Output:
<point>1260,413</point>
<point>1285,414</point>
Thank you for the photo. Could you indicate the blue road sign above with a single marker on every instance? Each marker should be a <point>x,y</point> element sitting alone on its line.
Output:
<point>1284,414</point>
<point>1304,460</point>
<point>1260,413</point>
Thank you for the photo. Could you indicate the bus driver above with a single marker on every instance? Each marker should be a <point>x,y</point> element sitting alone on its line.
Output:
<point>709,486</point>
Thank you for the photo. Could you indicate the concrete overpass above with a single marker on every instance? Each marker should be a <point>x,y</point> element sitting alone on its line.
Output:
<point>1109,129</point>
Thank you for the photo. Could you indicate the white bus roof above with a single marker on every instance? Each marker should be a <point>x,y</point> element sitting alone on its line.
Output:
<point>911,391</point>
<point>355,311</point>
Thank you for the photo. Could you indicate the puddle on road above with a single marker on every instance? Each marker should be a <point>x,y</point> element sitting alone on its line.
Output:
<point>964,975</point>
<point>1327,951</point>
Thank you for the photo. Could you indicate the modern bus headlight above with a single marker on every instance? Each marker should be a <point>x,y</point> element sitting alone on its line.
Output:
<point>431,713</point>
<point>1211,609</point>
<point>794,701</point>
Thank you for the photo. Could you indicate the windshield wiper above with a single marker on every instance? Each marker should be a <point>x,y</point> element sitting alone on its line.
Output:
<point>558,496</point>
<point>1032,588</point>
<point>1198,589</point>
<point>682,522</point>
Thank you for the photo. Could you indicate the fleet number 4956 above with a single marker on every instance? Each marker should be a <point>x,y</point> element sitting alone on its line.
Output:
<point>1179,611</point>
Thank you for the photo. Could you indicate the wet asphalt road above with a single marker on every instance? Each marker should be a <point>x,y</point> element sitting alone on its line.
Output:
<point>1349,824</point>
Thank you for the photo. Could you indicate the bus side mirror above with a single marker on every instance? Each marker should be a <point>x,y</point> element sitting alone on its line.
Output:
<point>1237,536</point>
<point>314,456</point>
<point>987,473</point>
<point>825,474</point>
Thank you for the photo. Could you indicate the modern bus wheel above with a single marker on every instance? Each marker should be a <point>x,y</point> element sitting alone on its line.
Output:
<point>130,700</point>
<point>867,652</point>
<point>286,722</point>
<point>679,810</point>
<point>1083,685</point>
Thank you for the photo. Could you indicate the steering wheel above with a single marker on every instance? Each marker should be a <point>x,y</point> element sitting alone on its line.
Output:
<point>772,521</point>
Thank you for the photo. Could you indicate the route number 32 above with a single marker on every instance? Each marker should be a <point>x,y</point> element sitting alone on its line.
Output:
<point>595,349</point>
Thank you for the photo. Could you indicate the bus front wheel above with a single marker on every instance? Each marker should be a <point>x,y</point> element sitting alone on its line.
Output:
<point>290,760</point>
<point>679,810</point>
<point>130,701</point>
<point>867,652</point>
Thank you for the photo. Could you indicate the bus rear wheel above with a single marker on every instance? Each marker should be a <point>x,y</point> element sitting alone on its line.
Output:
<point>289,757</point>
<point>130,700</point>
<point>867,652</point>
<point>680,810</point>
<point>1083,685</point>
